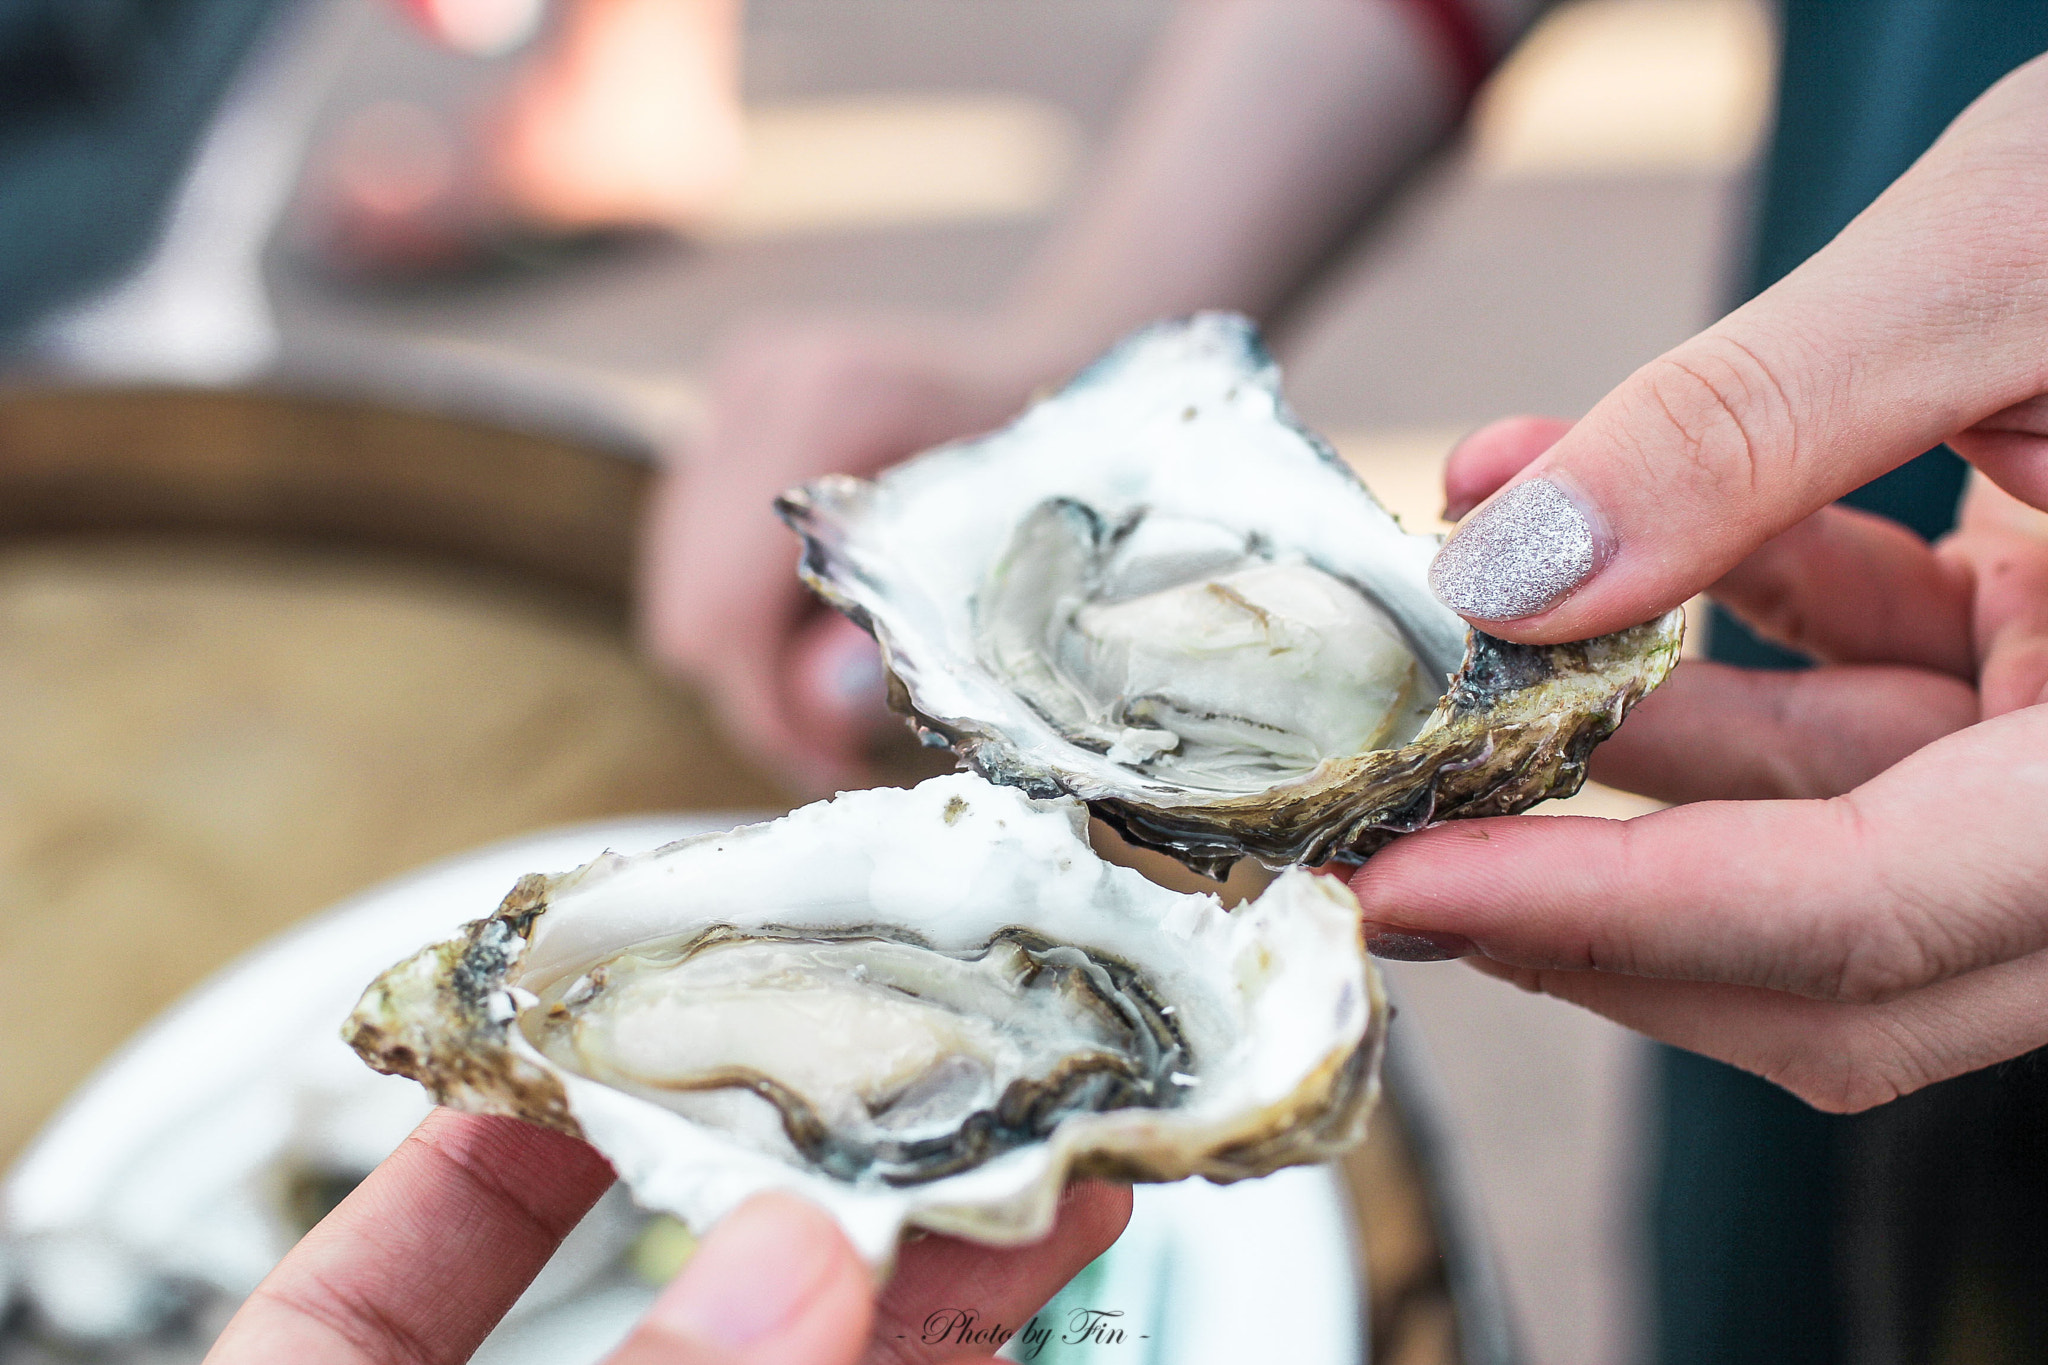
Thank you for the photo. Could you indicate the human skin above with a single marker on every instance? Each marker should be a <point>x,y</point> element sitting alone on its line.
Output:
<point>1854,903</point>
<point>622,114</point>
<point>419,1263</point>
<point>1259,136</point>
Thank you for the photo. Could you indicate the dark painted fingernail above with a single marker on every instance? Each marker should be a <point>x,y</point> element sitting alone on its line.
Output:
<point>1415,945</point>
<point>1520,554</point>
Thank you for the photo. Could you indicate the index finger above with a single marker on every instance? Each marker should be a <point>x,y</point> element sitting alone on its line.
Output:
<point>1894,886</point>
<point>418,1264</point>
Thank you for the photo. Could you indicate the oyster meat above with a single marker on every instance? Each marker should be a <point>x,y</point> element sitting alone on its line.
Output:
<point>918,1008</point>
<point>1157,592</point>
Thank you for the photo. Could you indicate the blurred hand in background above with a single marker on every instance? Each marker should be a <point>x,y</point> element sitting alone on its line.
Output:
<point>798,684</point>
<point>1263,132</point>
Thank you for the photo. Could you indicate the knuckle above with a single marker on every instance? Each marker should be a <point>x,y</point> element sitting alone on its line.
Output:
<point>1857,1061</point>
<point>1727,413</point>
<point>1882,962</point>
<point>1878,936</point>
<point>1833,1087</point>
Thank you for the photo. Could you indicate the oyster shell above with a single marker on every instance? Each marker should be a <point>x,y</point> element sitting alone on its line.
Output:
<point>926,1007</point>
<point>1157,592</point>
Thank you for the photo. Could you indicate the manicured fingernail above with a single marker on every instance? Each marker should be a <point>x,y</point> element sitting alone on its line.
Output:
<point>1522,552</point>
<point>1415,945</point>
<point>752,1276</point>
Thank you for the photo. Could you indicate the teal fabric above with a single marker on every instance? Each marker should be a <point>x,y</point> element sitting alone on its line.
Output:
<point>101,104</point>
<point>1748,1182</point>
<point>1742,1216</point>
<point>1865,86</point>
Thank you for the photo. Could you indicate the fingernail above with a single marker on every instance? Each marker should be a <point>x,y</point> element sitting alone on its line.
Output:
<point>1415,945</point>
<point>752,1276</point>
<point>855,679</point>
<point>1522,552</point>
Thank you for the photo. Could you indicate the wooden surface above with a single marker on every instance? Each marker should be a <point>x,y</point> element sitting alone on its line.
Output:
<point>306,470</point>
<point>260,653</point>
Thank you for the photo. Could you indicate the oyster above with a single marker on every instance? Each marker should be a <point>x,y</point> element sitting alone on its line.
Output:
<point>918,1008</point>
<point>1157,592</point>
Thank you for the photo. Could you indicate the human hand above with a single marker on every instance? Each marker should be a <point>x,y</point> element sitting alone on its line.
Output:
<point>1922,322</point>
<point>802,687</point>
<point>421,1261</point>
<point>1858,904</point>
<point>1872,916</point>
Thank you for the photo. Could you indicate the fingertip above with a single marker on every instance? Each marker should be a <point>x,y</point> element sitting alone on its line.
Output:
<point>1399,888</point>
<point>1453,890</point>
<point>1521,556</point>
<point>2015,457</point>
<point>1486,459</point>
<point>842,668</point>
<point>776,1280</point>
<point>1096,1210</point>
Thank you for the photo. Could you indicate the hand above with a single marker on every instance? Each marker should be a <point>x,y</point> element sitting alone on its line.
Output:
<point>1923,322</point>
<point>1872,914</point>
<point>421,1261</point>
<point>802,687</point>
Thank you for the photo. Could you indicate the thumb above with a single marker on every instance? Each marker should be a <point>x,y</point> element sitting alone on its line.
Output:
<point>774,1284</point>
<point>1921,319</point>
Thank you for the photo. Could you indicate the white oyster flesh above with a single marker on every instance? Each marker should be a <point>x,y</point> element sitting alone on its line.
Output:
<point>866,1053</point>
<point>1185,652</point>
<point>924,1008</point>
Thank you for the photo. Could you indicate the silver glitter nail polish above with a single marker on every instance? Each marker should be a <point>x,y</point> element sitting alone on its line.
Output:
<point>1519,554</point>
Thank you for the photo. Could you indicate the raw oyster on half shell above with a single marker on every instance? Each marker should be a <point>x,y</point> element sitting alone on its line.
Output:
<point>923,1008</point>
<point>1157,592</point>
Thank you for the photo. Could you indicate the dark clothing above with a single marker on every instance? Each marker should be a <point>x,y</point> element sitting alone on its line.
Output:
<point>1919,1231</point>
<point>101,104</point>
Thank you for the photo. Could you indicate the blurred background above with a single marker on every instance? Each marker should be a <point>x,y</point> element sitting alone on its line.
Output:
<point>204,742</point>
